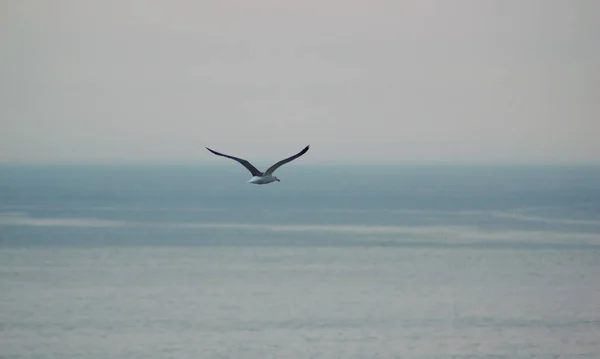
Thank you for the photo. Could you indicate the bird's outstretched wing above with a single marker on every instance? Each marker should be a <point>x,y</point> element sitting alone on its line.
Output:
<point>272,169</point>
<point>248,165</point>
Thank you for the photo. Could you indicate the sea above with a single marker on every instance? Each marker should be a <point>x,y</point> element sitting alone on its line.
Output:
<point>408,261</point>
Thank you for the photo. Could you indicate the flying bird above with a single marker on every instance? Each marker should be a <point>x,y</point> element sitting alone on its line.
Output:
<point>259,177</point>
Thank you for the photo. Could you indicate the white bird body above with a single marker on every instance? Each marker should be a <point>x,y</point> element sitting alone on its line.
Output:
<point>259,177</point>
<point>263,180</point>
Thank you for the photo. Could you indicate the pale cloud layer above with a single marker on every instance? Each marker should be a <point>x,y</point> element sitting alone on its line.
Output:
<point>396,81</point>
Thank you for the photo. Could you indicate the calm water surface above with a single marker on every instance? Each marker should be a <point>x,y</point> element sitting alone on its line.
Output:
<point>407,262</point>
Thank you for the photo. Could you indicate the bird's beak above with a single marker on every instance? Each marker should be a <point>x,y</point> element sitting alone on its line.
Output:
<point>277,179</point>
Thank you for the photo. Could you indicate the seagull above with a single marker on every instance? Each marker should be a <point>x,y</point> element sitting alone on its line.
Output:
<point>259,177</point>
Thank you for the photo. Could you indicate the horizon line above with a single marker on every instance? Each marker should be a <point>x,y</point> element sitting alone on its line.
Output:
<point>131,162</point>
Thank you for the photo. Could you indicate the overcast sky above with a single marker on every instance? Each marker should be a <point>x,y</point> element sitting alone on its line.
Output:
<point>361,81</point>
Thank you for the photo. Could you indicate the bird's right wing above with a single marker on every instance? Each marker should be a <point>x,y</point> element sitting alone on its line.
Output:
<point>272,169</point>
<point>248,165</point>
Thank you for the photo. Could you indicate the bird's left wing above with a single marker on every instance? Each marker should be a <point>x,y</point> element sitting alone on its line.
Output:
<point>248,165</point>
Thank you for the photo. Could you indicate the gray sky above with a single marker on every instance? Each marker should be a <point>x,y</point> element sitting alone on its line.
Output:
<point>388,81</point>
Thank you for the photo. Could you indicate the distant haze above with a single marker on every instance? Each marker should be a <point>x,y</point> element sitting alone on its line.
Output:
<point>361,81</point>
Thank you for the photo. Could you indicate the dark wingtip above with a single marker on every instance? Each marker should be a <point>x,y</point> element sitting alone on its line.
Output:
<point>215,152</point>
<point>304,149</point>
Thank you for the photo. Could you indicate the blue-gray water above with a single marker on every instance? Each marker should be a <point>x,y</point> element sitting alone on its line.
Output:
<point>370,262</point>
